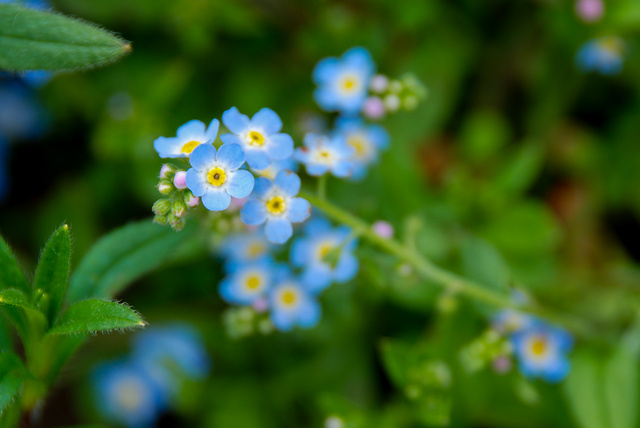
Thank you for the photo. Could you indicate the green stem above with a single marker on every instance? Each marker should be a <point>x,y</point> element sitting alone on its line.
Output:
<point>322,186</point>
<point>427,270</point>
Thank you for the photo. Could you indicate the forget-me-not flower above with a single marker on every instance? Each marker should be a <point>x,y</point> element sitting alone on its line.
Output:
<point>604,55</point>
<point>215,176</point>
<point>325,253</point>
<point>291,303</point>
<point>343,83</point>
<point>249,282</point>
<point>260,136</point>
<point>322,154</point>
<point>189,136</point>
<point>275,204</point>
<point>126,395</point>
<point>541,350</point>
<point>278,165</point>
<point>367,142</point>
<point>243,248</point>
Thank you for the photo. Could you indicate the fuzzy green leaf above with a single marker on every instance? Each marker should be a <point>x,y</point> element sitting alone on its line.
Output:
<point>11,275</point>
<point>94,315</point>
<point>41,40</point>
<point>15,297</point>
<point>12,374</point>
<point>583,391</point>
<point>53,271</point>
<point>126,254</point>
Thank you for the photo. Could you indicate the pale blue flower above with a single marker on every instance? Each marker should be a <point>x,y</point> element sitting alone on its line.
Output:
<point>275,204</point>
<point>343,82</point>
<point>189,136</point>
<point>215,176</point>
<point>248,282</point>
<point>367,142</point>
<point>322,154</point>
<point>326,255</point>
<point>291,303</point>
<point>260,136</point>
<point>278,165</point>
<point>604,55</point>
<point>242,248</point>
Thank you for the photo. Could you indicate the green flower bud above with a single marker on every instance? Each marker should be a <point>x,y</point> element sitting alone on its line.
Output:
<point>161,219</point>
<point>161,207</point>
<point>165,187</point>
<point>178,208</point>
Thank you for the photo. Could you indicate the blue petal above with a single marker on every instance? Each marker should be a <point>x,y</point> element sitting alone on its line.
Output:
<point>227,291</point>
<point>202,157</point>
<point>281,320</point>
<point>326,70</point>
<point>299,254</point>
<point>280,146</point>
<point>241,183</point>
<point>379,136</point>
<point>235,121</point>
<point>212,131</point>
<point>253,213</point>
<point>262,187</point>
<point>557,370</point>
<point>309,313</point>
<point>267,120</point>
<point>315,280</point>
<point>216,200</point>
<point>342,169</point>
<point>278,230</point>
<point>359,58</point>
<point>231,139</point>
<point>288,182</point>
<point>231,156</point>
<point>347,267</point>
<point>258,158</point>
<point>316,169</point>
<point>192,130</point>
<point>318,226</point>
<point>196,182</point>
<point>326,98</point>
<point>299,210</point>
<point>168,147</point>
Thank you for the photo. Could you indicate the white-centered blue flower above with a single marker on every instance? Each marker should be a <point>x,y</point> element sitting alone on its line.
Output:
<point>275,204</point>
<point>322,154</point>
<point>325,253</point>
<point>248,282</point>
<point>215,176</point>
<point>541,350</point>
<point>604,55</point>
<point>291,303</point>
<point>343,83</point>
<point>126,395</point>
<point>367,142</point>
<point>189,136</point>
<point>260,136</point>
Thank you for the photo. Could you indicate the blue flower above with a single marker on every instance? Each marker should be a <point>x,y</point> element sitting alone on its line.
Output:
<point>260,136</point>
<point>275,203</point>
<point>21,115</point>
<point>510,321</point>
<point>541,350</point>
<point>278,165</point>
<point>189,136</point>
<point>215,176</point>
<point>603,55</point>
<point>126,395</point>
<point>322,154</point>
<point>243,248</point>
<point>292,304</point>
<point>326,254</point>
<point>367,142</point>
<point>343,83</point>
<point>248,283</point>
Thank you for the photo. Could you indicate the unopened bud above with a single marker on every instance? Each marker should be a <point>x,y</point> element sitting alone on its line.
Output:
<point>190,200</point>
<point>161,207</point>
<point>379,83</point>
<point>178,209</point>
<point>395,87</point>
<point>392,103</point>
<point>161,219</point>
<point>373,108</point>
<point>167,171</point>
<point>180,180</point>
<point>178,225</point>
<point>165,187</point>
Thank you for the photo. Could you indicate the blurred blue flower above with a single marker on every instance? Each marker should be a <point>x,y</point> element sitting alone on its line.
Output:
<point>275,204</point>
<point>367,142</point>
<point>278,165</point>
<point>343,83</point>
<point>260,136</point>
<point>243,248</point>
<point>541,350</point>
<point>21,115</point>
<point>322,154</point>
<point>189,136</point>
<point>215,176</point>
<point>604,55</point>
<point>126,395</point>
<point>509,321</point>
<point>248,283</point>
<point>33,4</point>
<point>292,304</point>
<point>325,253</point>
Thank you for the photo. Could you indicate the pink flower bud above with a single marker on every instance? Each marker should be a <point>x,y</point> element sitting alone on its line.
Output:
<point>261,305</point>
<point>589,10</point>
<point>166,170</point>
<point>237,204</point>
<point>379,83</point>
<point>373,108</point>
<point>383,229</point>
<point>180,180</point>
<point>501,364</point>
<point>192,201</point>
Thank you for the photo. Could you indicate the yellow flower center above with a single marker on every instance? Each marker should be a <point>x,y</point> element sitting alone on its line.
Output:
<point>217,176</point>
<point>289,297</point>
<point>349,83</point>
<point>253,282</point>
<point>324,250</point>
<point>276,205</point>
<point>256,138</point>
<point>187,148</point>
<point>358,143</point>
<point>539,346</point>
<point>611,44</point>
<point>129,394</point>
<point>255,250</point>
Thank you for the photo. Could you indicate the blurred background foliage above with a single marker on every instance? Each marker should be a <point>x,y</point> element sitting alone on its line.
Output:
<point>516,153</point>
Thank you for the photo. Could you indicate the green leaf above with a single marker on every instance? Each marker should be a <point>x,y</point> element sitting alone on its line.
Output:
<point>93,315</point>
<point>521,170</point>
<point>11,275</point>
<point>621,388</point>
<point>583,390</point>
<point>15,297</point>
<point>482,263</point>
<point>53,271</point>
<point>12,374</point>
<point>41,40</point>
<point>126,254</point>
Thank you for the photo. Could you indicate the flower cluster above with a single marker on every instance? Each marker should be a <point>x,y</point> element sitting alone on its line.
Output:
<point>134,391</point>
<point>603,55</point>
<point>253,170</point>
